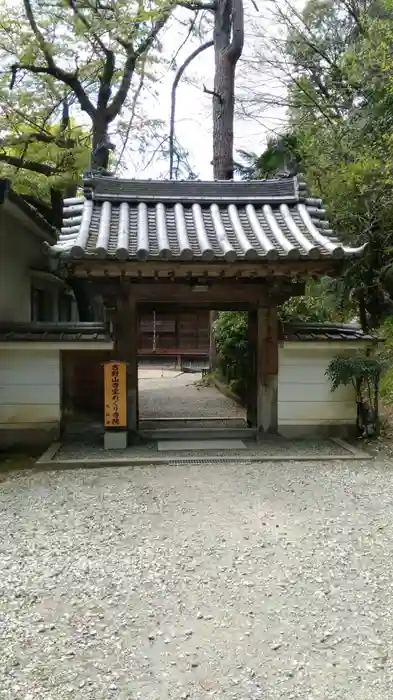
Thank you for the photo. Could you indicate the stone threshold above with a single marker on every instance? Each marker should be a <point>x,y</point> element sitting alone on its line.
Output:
<point>47,459</point>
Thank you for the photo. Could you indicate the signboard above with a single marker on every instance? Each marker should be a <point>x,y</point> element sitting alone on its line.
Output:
<point>115,393</point>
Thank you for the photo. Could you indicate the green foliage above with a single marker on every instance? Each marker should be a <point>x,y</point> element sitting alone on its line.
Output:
<point>64,156</point>
<point>231,336</point>
<point>364,373</point>
<point>340,69</point>
<point>231,331</point>
<point>315,308</point>
<point>281,154</point>
<point>68,71</point>
<point>354,369</point>
<point>386,354</point>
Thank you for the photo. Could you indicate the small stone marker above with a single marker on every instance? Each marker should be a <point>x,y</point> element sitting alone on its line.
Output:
<point>115,439</point>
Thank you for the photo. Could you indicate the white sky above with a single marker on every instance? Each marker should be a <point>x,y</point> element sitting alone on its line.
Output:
<point>193,106</point>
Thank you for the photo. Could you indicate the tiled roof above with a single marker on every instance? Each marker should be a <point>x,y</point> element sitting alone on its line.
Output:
<point>333,332</point>
<point>140,220</point>
<point>54,332</point>
<point>99,332</point>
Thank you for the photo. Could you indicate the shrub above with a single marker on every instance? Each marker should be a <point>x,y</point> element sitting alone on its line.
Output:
<point>231,336</point>
<point>364,373</point>
<point>386,355</point>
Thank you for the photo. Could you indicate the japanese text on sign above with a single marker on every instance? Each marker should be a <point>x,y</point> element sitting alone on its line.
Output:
<point>115,395</point>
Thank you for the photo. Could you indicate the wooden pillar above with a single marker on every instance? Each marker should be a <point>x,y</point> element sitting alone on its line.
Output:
<point>126,350</point>
<point>267,370</point>
<point>213,315</point>
<point>67,383</point>
<point>251,378</point>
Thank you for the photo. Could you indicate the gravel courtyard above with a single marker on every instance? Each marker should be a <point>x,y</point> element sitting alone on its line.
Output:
<point>232,582</point>
<point>175,394</point>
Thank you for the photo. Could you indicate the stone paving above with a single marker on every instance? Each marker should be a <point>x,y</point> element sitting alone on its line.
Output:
<point>235,582</point>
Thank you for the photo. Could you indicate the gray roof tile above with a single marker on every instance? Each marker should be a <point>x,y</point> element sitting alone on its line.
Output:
<point>134,219</point>
<point>53,332</point>
<point>332,332</point>
<point>78,331</point>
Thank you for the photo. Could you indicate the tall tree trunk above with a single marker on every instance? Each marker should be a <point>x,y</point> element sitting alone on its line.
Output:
<point>100,144</point>
<point>228,47</point>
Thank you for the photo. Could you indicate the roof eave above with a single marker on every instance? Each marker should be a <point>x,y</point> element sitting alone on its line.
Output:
<point>17,206</point>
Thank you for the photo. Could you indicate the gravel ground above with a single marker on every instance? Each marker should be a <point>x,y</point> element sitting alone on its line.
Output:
<point>82,449</point>
<point>236,582</point>
<point>165,394</point>
<point>178,395</point>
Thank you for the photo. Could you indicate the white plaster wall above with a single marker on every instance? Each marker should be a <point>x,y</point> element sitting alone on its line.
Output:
<point>304,392</point>
<point>29,389</point>
<point>20,250</point>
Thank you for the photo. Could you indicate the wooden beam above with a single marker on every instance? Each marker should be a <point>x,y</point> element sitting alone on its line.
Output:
<point>267,370</point>
<point>126,350</point>
<point>255,293</point>
<point>215,296</point>
<point>178,270</point>
<point>251,399</point>
<point>236,295</point>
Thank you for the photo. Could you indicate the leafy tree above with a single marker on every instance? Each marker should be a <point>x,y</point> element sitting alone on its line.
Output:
<point>336,64</point>
<point>281,156</point>
<point>38,162</point>
<point>231,330</point>
<point>231,336</point>
<point>89,55</point>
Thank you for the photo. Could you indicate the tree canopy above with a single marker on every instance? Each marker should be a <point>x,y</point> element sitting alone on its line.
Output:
<point>69,69</point>
<point>337,66</point>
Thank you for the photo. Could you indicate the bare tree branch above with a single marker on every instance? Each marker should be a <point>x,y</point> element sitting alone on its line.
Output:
<point>115,106</point>
<point>186,38</point>
<point>197,6</point>
<point>40,37</point>
<point>133,110</point>
<point>212,93</point>
<point>176,81</point>
<point>66,78</point>
<point>133,55</point>
<point>52,68</point>
<point>151,36</point>
<point>106,77</point>
<point>72,5</point>
<point>235,48</point>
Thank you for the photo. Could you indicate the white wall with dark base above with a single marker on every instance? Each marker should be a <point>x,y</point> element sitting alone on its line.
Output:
<point>31,390</point>
<point>306,404</point>
<point>30,404</point>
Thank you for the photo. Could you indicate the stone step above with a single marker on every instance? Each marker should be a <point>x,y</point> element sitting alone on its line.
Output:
<point>199,434</point>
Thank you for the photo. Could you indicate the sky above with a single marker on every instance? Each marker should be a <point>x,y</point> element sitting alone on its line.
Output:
<point>193,106</point>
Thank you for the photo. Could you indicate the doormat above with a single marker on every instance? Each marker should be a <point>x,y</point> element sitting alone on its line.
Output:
<point>199,445</point>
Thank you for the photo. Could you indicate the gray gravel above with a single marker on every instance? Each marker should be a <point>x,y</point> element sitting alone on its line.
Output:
<point>166,394</point>
<point>79,449</point>
<point>179,395</point>
<point>236,582</point>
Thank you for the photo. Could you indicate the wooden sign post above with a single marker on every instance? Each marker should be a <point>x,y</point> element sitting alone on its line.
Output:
<point>115,399</point>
